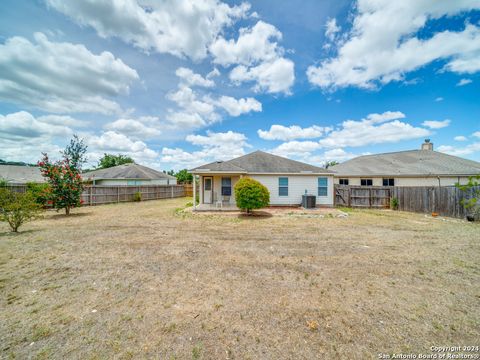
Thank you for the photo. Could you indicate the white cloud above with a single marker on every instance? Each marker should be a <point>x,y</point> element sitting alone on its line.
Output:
<point>460,151</point>
<point>435,124</point>
<point>254,45</point>
<point>438,99</point>
<point>213,139</point>
<point>142,128</point>
<point>113,142</point>
<point>214,73</point>
<point>464,82</point>
<point>192,79</point>
<point>258,57</point>
<point>332,29</point>
<point>196,112</point>
<point>476,134</point>
<point>381,46</point>
<point>272,77</point>
<point>22,124</point>
<point>237,107</point>
<point>285,133</point>
<point>24,137</point>
<point>61,77</point>
<point>296,148</point>
<point>214,146</point>
<point>460,138</point>
<point>374,129</point>
<point>177,27</point>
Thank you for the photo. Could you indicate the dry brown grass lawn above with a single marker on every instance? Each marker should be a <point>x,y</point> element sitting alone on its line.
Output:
<point>141,280</point>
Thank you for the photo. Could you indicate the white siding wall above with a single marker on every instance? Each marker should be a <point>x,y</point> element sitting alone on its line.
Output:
<point>408,181</point>
<point>297,184</point>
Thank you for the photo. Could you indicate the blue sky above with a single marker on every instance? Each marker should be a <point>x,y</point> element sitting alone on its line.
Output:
<point>176,84</point>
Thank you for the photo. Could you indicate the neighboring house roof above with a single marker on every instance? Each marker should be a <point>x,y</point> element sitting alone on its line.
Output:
<point>20,174</point>
<point>126,171</point>
<point>260,162</point>
<point>404,163</point>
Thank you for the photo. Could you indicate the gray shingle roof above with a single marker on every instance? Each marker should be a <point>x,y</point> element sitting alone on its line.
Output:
<point>261,162</point>
<point>126,171</point>
<point>20,174</point>
<point>413,162</point>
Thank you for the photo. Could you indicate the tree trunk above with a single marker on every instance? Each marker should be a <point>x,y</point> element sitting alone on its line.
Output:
<point>67,210</point>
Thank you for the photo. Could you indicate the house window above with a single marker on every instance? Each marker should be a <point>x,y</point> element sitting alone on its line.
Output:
<point>388,182</point>
<point>283,186</point>
<point>366,182</point>
<point>343,181</point>
<point>322,186</point>
<point>134,182</point>
<point>226,186</point>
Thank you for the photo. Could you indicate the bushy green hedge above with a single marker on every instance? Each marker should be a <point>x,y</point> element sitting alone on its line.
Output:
<point>250,194</point>
<point>17,208</point>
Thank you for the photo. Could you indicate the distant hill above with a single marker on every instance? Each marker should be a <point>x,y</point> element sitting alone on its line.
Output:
<point>18,163</point>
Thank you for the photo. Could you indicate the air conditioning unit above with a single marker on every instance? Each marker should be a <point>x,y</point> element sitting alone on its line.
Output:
<point>309,201</point>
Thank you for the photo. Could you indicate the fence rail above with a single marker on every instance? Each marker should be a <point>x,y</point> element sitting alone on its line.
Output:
<point>444,200</point>
<point>99,194</point>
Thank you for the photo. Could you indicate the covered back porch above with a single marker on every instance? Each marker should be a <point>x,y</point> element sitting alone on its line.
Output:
<point>216,191</point>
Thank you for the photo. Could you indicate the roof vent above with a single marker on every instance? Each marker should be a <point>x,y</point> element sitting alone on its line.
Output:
<point>427,145</point>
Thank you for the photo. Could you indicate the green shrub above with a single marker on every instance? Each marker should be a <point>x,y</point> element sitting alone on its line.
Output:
<point>40,192</point>
<point>137,196</point>
<point>17,208</point>
<point>250,194</point>
<point>472,202</point>
<point>394,203</point>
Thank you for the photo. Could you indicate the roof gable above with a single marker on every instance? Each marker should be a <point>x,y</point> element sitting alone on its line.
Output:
<point>127,171</point>
<point>263,163</point>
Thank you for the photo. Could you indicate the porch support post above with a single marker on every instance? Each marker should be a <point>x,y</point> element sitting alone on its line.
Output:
<point>194,192</point>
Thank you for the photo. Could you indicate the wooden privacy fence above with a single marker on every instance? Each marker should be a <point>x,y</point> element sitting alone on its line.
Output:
<point>363,196</point>
<point>189,189</point>
<point>445,200</point>
<point>98,194</point>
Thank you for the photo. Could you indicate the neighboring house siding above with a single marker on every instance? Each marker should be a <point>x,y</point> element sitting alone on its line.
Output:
<point>406,181</point>
<point>120,182</point>
<point>297,184</point>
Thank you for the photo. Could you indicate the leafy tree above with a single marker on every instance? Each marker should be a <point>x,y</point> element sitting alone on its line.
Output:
<point>330,163</point>
<point>40,192</point>
<point>472,204</point>
<point>250,194</point>
<point>63,176</point>
<point>111,160</point>
<point>183,176</point>
<point>17,208</point>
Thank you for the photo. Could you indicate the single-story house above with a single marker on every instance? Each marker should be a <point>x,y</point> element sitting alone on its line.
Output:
<point>129,174</point>
<point>424,167</point>
<point>16,174</point>
<point>286,180</point>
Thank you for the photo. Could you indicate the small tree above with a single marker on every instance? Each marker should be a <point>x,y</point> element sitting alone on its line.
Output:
<point>17,208</point>
<point>472,204</point>
<point>330,163</point>
<point>110,160</point>
<point>250,194</point>
<point>183,176</point>
<point>66,185</point>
